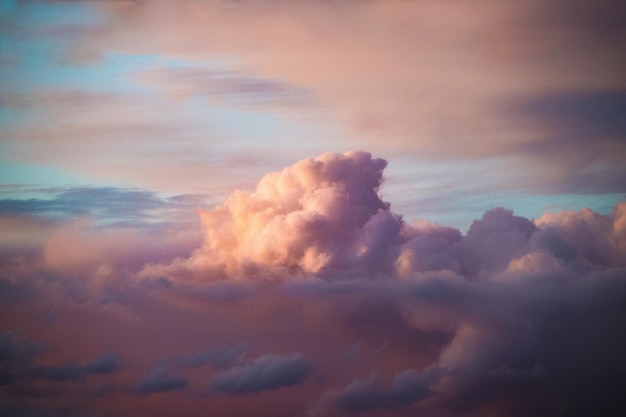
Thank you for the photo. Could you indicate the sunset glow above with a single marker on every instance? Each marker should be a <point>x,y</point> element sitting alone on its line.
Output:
<point>312,208</point>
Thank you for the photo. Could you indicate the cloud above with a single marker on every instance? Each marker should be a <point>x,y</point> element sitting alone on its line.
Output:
<point>18,362</point>
<point>325,217</point>
<point>515,315</point>
<point>104,364</point>
<point>81,246</point>
<point>476,75</point>
<point>157,381</point>
<point>493,241</point>
<point>360,395</point>
<point>470,67</point>
<point>517,345</point>
<point>82,229</point>
<point>429,247</point>
<point>12,293</point>
<point>496,359</point>
<point>16,356</point>
<point>584,238</point>
<point>316,216</point>
<point>268,372</point>
<point>586,130</point>
<point>110,205</point>
<point>235,88</point>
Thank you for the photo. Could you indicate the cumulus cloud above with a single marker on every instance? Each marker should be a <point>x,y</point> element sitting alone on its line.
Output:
<point>316,216</point>
<point>430,247</point>
<point>325,217</point>
<point>493,241</point>
<point>267,372</point>
<point>585,238</point>
<point>515,317</point>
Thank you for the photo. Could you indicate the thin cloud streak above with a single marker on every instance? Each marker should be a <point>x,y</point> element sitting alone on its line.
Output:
<point>436,81</point>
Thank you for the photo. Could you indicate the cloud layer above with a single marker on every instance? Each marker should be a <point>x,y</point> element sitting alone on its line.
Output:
<point>309,296</point>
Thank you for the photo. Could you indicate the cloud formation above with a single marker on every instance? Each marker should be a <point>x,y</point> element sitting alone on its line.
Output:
<point>515,317</point>
<point>317,216</point>
<point>406,388</point>
<point>325,217</point>
<point>263,373</point>
<point>17,361</point>
<point>157,381</point>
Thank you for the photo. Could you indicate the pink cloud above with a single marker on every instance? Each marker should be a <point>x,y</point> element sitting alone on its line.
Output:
<point>316,216</point>
<point>325,217</point>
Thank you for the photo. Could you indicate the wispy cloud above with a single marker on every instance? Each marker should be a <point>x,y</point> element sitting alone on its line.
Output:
<point>263,373</point>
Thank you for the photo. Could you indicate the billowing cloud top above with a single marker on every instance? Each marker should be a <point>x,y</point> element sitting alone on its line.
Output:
<point>325,217</point>
<point>315,216</point>
<point>309,294</point>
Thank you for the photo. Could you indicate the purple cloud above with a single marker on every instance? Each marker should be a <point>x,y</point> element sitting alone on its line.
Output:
<point>266,372</point>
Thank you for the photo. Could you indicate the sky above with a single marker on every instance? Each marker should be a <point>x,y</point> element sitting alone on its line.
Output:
<point>312,208</point>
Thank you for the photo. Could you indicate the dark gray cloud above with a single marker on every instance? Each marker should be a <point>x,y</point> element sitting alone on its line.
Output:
<point>159,381</point>
<point>585,134</point>
<point>18,357</point>
<point>15,408</point>
<point>548,342</point>
<point>105,364</point>
<point>406,388</point>
<point>591,114</point>
<point>589,24</point>
<point>263,373</point>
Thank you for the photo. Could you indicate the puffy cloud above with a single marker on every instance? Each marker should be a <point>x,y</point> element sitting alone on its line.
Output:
<point>324,217</point>
<point>430,248</point>
<point>513,318</point>
<point>493,241</point>
<point>585,238</point>
<point>267,372</point>
<point>316,216</point>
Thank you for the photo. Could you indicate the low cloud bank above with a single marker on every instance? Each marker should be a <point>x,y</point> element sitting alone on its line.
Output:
<point>310,296</point>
